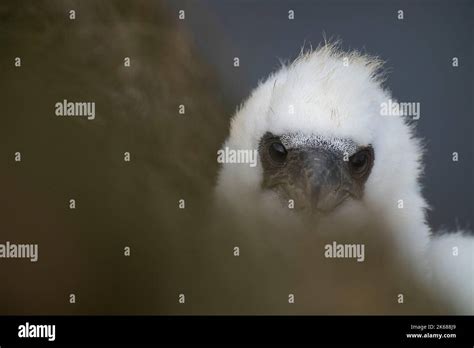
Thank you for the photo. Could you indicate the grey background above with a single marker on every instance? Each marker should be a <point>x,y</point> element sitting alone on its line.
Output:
<point>418,52</point>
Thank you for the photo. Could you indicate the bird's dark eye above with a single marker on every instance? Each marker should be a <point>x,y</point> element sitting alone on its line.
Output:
<point>361,162</point>
<point>277,152</point>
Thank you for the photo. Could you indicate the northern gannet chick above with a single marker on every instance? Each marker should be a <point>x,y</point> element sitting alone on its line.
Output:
<point>325,148</point>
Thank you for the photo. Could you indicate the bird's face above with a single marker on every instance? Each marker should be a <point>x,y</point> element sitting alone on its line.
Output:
<point>318,173</point>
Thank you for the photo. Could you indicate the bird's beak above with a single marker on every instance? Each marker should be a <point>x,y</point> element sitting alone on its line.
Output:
<point>323,177</point>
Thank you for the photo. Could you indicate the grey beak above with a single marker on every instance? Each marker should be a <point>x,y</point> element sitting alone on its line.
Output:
<point>325,176</point>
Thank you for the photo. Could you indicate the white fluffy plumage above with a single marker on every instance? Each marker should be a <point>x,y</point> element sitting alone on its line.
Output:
<point>333,94</point>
